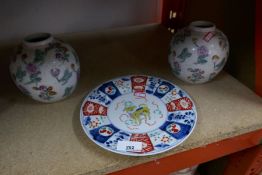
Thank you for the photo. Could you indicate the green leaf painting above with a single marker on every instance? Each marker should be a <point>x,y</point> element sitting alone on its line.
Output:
<point>20,74</point>
<point>67,75</point>
<point>201,60</point>
<point>34,78</point>
<point>68,91</point>
<point>184,55</point>
<point>220,65</point>
<point>39,56</point>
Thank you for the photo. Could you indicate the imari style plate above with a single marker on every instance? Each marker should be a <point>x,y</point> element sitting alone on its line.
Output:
<point>138,115</point>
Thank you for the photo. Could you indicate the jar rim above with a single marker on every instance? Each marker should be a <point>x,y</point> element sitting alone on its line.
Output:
<point>202,26</point>
<point>37,39</point>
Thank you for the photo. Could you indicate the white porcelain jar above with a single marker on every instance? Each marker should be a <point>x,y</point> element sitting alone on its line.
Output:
<point>198,52</point>
<point>45,68</point>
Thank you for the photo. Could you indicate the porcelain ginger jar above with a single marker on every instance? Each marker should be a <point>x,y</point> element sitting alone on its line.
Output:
<point>45,68</point>
<point>198,52</point>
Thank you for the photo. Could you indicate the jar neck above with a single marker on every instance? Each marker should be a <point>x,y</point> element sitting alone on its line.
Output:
<point>202,26</point>
<point>37,40</point>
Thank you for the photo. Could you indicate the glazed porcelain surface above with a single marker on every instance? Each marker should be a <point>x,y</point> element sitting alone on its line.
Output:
<point>198,52</point>
<point>138,109</point>
<point>45,68</point>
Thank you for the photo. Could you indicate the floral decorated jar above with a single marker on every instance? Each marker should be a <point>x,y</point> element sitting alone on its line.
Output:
<point>198,52</point>
<point>45,68</point>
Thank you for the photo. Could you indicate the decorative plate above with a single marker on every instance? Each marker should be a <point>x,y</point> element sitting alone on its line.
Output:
<point>138,115</point>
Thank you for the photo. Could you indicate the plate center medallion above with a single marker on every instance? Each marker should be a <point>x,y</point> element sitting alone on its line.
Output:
<point>137,114</point>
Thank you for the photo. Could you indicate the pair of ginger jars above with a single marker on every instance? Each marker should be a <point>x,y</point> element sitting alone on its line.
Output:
<point>47,69</point>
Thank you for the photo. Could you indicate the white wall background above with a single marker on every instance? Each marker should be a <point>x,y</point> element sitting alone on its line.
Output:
<point>22,17</point>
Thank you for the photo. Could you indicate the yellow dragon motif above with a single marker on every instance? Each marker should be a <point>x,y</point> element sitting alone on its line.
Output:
<point>137,114</point>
